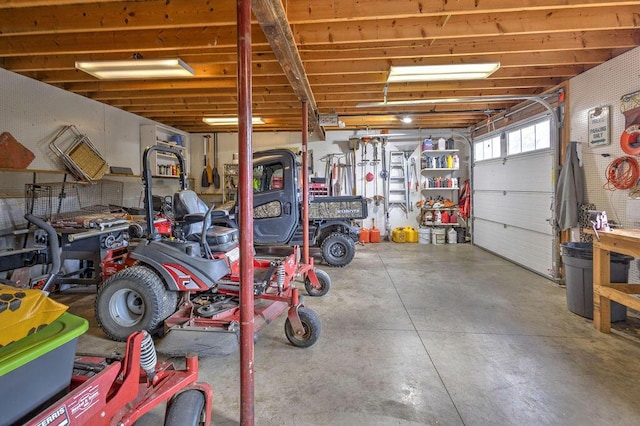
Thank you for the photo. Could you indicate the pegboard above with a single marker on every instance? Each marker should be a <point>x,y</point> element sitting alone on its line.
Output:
<point>601,86</point>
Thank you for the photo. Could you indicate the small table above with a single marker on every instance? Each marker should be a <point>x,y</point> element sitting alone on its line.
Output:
<point>624,241</point>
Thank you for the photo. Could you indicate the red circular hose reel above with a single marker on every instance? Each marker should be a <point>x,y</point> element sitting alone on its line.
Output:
<point>630,140</point>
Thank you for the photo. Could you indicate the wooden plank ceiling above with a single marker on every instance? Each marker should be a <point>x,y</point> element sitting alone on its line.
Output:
<point>346,48</point>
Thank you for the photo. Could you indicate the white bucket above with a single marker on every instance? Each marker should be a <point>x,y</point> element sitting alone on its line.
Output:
<point>452,236</point>
<point>438,236</point>
<point>424,236</point>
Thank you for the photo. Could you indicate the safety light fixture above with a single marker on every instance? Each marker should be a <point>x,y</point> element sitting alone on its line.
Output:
<point>229,121</point>
<point>136,68</point>
<point>406,119</point>
<point>442,72</point>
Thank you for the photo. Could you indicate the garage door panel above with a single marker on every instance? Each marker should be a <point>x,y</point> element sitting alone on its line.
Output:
<point>512,204</point>
<point>531,172</point>
<point>530,249</point>
<point>524,210</point>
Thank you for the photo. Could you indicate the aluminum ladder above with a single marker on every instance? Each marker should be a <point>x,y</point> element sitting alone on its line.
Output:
<point>398,187</point>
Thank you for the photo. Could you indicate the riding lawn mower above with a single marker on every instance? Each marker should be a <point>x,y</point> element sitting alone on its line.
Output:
<point>185,286</point>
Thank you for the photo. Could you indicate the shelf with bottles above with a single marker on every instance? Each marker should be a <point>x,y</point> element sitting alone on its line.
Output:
<point>441,217</point>
<point>165,165</point>
<point>430,163</point>
<point>440,183</point>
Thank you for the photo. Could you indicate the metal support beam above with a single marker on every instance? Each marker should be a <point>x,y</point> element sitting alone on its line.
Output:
<point>245,203</point>
<point>305,184</point>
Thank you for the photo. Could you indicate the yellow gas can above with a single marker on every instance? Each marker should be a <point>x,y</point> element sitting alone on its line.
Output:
<point>411,234</point>
<point>398,235</point>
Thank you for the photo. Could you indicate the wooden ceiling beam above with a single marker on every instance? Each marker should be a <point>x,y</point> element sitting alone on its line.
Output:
<point>273,20</point>
<point>495,25</point>
<point>203,64</point>
<point>126,42</point>
<point>116,15</point>
<point>305,11</point>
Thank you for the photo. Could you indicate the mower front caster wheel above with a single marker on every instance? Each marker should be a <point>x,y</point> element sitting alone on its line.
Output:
<point>325,283</point>
<point>311,325</point>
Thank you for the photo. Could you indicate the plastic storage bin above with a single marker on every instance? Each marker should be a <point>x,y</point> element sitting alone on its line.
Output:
<point>37,368</point>
<point>578,261</point>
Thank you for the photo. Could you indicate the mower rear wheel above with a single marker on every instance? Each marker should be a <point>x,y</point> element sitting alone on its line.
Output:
<point>133,299</point>
<point>323,279</point>
<point>312,328</point>
<point>186,409</point>
<point>338,250</point>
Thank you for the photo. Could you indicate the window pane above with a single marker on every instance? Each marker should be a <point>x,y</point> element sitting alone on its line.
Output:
<point>478,149</point>
<point>487,149</point>
<point>513,142</point>
<point>528,139</point>
<point>543,135</point>
<point>496,147</point>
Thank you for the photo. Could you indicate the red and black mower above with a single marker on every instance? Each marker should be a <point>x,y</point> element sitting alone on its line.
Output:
<point>120,390</point>
<point>187,286</point>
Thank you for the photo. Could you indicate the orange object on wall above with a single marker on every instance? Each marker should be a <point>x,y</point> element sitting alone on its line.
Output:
<point>14,154</point>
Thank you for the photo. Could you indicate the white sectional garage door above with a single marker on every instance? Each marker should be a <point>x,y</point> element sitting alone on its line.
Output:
<point>512,207</point>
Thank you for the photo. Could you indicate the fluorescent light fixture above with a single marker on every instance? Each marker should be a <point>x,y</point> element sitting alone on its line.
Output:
<point>136,69</point>
<point>442,72</point>
<point>406,119</point>
<point>229,121</point>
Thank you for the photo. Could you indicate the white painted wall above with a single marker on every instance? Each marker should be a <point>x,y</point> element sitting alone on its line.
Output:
<point>601,86</point>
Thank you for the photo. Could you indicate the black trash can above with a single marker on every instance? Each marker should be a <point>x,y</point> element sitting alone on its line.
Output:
<point>578,261</point>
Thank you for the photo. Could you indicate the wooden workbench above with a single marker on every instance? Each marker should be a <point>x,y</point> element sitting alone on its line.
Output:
<point>623,241</point>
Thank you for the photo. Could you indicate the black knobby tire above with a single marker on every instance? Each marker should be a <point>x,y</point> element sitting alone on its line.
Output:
<point>134,299</point>
<point>325,284</point>
<point>338,250</point>
<point>186,409</point>
<point>312,329</point>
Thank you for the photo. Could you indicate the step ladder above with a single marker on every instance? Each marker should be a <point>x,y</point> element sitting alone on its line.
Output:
<point>398,187</point>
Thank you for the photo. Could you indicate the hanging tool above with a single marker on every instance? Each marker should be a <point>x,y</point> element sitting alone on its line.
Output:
<point>354,143</point>
<point>413,180</point>
<point>377,197</point>
<point>363,164</point>
<point>384,174</point>
<point>204,181</point>
<point>216,174</point>
<point>337,185</point>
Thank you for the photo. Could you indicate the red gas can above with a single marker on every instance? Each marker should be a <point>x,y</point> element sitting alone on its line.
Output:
<point>364,235</point>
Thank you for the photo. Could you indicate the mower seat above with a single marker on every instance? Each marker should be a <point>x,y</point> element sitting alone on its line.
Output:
<point>187,207</point>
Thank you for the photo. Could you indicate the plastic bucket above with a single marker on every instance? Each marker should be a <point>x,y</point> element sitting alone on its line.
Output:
<point>424,236</point>
<point>438,236</point>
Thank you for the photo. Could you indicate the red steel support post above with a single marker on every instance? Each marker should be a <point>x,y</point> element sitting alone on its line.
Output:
<point>245,203</point>
<point>305,183</point>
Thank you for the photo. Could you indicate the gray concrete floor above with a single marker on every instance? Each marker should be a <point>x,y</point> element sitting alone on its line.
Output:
<point>424,334</point>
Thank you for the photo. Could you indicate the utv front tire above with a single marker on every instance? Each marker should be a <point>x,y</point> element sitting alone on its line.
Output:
<point>134,299</point>
<point>338,250</point>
